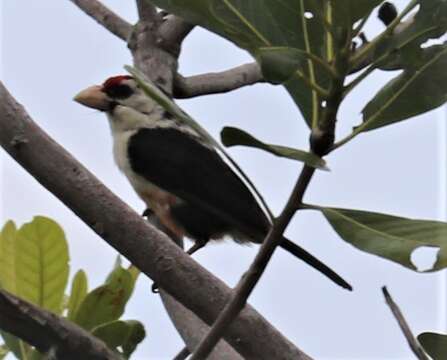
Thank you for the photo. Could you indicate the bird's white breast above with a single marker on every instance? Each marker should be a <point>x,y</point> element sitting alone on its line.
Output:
<point>120,154</point>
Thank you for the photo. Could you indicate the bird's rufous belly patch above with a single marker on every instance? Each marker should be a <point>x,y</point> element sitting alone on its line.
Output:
<point>160,203</point>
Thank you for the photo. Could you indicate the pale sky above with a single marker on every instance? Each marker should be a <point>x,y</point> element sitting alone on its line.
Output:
<point>51,50</point>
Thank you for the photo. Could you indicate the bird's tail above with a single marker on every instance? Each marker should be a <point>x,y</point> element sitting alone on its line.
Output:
<point>311,260</point>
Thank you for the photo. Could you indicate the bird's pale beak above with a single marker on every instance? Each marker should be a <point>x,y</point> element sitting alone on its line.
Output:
<point>93,97</point>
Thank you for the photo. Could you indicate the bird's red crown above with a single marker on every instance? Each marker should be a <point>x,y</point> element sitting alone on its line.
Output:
<point>115,81</point>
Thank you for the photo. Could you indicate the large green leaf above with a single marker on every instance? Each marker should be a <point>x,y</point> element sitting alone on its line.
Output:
<point>106,303</point>
<point>434,344</point>
<point>391,237</point>
<point>429,22</point>
<point>15,345</point>
<point>278,64</point>
<point>124,334</point>
<point>347,12</point>
<point>42,263</point>
<point>398,49</point>
<point>255,24</point>
<point>79,288</point>
<point>232,136</point>
<point>420,88</point>
<point>8,274</point>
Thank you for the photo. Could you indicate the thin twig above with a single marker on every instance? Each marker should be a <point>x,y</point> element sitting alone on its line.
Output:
<point>106,17</point>
<point>412,341</point>
<point>145,247</point>
<point>321,140</point>
<point>254,273</point>
<point>183,354</point>
<point>220,82</point>
<point>45,330</point>
<point>146,10</point>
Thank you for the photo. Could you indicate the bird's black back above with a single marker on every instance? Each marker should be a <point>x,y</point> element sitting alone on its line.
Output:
<point>215,199</point>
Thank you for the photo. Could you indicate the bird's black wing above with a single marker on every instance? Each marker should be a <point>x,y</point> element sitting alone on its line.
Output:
<point>181,165</point>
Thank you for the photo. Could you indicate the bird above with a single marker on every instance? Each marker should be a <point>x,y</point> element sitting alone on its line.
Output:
<point>179,174</point>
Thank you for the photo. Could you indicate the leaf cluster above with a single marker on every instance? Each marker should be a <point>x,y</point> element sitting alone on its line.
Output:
<point>34,265</point>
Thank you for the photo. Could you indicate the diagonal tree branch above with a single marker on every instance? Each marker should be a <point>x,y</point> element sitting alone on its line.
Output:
<point>106,17</point>
<point>147,248</point>
<point>47,331</point>
<point>220,82</point>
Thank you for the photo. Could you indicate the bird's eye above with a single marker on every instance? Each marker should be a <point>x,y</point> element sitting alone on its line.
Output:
<point>119,91</point>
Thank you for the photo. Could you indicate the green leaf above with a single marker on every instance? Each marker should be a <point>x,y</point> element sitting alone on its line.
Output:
<point>255,24</point>
<point>134,272</point>
<point>106,303</point>
<point>79,288</point>
<point>36,355</point>
<point>42,263</point>
<point>15,345</point>
<point>401,48</point>
<point>233,136</point>
<point>429,22</point>
<point>279,64</point>
<point>347,12</point>
<point>3,351</point>
<point>8,273</point>
<point>402,97</point>
<point>434,344</point>
<point>391,237</point>
<point>124,334</point>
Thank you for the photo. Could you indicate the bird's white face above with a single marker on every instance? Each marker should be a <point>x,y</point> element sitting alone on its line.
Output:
<point>128,108</point>
<point>126,105</point>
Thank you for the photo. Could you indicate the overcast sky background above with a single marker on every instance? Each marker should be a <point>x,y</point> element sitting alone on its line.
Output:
<point>51,50</point>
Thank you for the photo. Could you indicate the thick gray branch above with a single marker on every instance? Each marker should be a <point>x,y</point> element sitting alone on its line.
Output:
<point>214,83</point>
<point>188,325</point>
<point>47,331</point>
<point>106,17</point>
<point>145,246</point>
<point>192,330</point>
<point>172,32</point>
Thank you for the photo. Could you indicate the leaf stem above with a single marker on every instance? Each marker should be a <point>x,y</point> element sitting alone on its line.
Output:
<point>329,36</point>
<point>311,81</point>
<point>317,89</point>
<point>23,350</point>
<point>324,64</point>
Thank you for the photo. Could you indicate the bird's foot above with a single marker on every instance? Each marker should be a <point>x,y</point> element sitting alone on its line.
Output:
<point>147,213</point>
<point>197,246</point>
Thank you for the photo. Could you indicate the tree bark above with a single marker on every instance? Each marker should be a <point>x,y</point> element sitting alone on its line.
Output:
<point>145,246</point>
